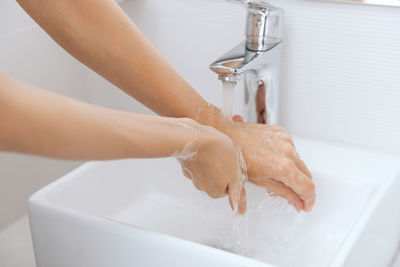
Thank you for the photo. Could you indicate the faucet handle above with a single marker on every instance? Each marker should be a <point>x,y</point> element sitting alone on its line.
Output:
<point>263,27</point>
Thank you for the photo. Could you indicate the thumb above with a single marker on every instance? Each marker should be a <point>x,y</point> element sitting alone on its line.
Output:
<point>237,118</point>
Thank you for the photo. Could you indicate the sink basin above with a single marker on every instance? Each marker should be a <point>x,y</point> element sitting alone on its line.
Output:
<point>145,213</point>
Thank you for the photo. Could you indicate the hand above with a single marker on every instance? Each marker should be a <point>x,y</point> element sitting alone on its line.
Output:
<point>273,162</point>
<point>215,165</point>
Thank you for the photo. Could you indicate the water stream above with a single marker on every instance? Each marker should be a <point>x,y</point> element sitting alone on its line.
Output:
<point>234,237</point>
<point>228,91</point>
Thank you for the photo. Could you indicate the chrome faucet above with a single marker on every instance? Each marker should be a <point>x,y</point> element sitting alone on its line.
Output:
<point>257,60</point>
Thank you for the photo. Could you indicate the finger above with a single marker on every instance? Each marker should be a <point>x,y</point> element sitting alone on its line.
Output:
<point>186,173</point>
<point>198,187</point>
<point>303,167</point>
<point>242,207</point>
<point>292,177</point>
<point>290,152</point>
<point>237,118</point>
<point>215,190</point>
<point>237,197</point>
<point>242,204</point>
<point>185,170</point>
<point>280,189</point>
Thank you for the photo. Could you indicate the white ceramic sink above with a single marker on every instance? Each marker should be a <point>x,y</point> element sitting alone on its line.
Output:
<point>145,213</point>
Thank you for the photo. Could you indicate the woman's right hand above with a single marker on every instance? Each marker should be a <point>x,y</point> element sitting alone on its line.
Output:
<point>215,165</point>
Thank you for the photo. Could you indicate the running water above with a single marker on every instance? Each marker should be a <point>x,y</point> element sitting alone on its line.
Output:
<point>236,236</point>
<point>227,99</point>
<point>233,237</point>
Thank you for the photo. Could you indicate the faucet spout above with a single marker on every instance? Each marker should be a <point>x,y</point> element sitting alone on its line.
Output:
<point>257,61</point>
<point>238,60</point>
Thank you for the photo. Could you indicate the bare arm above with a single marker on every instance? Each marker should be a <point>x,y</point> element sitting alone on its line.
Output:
<point>39,122</point>
<point>99,34</point>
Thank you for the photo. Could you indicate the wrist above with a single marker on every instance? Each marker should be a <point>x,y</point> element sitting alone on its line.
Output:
<point>197,137</point>
<point>211,115</point>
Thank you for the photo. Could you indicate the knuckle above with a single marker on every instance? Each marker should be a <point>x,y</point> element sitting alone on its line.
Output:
<point>288,150</point>
<point>212,195</point>
<point>196,185</point>
<point>186,173</point>
<point>215,194</point>
<point>222,188</point>
<point>285,136</point>
<point>310,186</point>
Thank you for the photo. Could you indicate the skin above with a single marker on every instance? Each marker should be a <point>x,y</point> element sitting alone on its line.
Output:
<point>103,43</point>
<point>39,122</point>
<point>275,164</point>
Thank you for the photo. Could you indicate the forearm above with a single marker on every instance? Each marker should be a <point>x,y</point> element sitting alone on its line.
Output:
<point>99,34</point>
<point>38,122</point>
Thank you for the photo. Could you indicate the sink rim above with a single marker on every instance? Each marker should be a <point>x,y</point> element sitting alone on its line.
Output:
<point>384,185</point>
<point>132,230</point>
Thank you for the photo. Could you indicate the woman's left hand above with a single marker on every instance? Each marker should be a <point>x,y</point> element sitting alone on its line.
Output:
<point>271,158</point>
